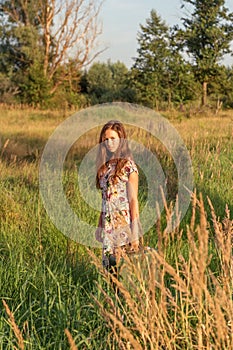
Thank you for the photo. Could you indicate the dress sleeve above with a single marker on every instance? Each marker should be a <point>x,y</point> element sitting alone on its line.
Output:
<point>130,167</point>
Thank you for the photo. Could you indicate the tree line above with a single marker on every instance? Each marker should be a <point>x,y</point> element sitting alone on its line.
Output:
<point>48,52</point>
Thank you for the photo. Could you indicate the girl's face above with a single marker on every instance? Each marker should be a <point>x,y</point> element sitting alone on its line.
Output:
<point>111,140</point>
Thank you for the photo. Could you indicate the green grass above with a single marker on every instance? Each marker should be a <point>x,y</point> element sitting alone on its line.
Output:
<point>49,282</point>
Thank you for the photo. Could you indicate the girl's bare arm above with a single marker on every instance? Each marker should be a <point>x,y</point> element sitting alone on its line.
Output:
<point>134,208</point>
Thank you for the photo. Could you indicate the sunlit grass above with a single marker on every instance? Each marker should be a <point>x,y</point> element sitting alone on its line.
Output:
<point>50,284</point>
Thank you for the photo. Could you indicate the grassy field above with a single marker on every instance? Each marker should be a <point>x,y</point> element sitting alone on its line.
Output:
<point>54,292</point>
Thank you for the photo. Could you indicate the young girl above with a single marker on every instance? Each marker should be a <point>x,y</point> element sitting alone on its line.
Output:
<point>117,176</point>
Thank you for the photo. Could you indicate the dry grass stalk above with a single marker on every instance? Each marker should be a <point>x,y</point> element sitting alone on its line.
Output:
<point>168,211</point>
<point>140,306</point>
<point>194,205</point>
<point>224,241</point>
<point>173,306</point>
<point>4,147</point>
<point>70,340</point>
<point>124,331</point>
<point>14,326</point>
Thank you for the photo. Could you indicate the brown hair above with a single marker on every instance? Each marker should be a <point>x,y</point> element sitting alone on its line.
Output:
<point>121,156</point>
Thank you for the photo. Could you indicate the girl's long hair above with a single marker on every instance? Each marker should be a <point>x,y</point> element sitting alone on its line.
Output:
<point>121,156</point>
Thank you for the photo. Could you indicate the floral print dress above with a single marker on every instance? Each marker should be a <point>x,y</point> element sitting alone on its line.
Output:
<point>115,209</point>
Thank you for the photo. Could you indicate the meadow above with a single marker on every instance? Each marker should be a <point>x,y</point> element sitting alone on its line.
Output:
<point>54,292</point>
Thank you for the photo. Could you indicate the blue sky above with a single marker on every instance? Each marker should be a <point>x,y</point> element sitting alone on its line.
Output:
<point>121,21</point>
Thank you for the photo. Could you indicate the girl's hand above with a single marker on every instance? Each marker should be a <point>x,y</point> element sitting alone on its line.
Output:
<point>98,234</point>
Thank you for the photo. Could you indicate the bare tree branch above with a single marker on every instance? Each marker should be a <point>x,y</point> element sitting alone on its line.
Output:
<point>70,32</point>
<point>67,32</point>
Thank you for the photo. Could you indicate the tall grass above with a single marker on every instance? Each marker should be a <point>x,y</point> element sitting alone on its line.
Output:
<point>55,294</point>
<point>186,304</point>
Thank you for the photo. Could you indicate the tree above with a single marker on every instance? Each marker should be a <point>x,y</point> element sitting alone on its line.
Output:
<point>159,71</point>
<point>221,89</point>
<point>18,44</point>
<point>149,63</point>
<point>48,34</point>
<point>70,30</point>
<point>206,38</point>
<point>178,80</point>
<point>107,82</point>
<point>99,81</point>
